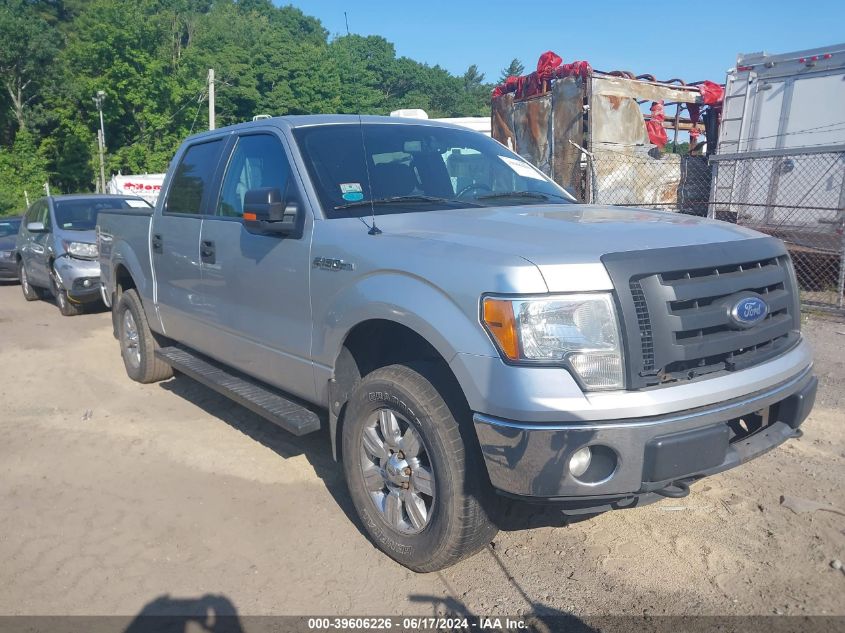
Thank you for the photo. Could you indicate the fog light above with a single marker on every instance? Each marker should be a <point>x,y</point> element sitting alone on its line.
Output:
<point>580,461</point>
<point>87,283</point>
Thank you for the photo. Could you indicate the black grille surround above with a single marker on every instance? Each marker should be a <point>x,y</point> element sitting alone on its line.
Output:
<point>674,307</point>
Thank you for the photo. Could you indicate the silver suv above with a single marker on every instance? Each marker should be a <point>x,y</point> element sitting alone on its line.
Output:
<point>56,248</point>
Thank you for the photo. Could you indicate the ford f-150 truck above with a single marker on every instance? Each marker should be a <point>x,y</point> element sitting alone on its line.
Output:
<point>459,326</point>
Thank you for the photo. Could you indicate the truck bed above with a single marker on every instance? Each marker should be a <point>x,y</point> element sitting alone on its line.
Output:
<point>123,236</point>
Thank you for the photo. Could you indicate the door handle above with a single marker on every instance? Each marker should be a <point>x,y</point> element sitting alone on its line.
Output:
<point>207,252</point>
<point>157,243</point>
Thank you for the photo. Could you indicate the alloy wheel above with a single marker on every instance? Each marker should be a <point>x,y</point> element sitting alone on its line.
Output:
<point>397,471</point>
<point>131,339</point>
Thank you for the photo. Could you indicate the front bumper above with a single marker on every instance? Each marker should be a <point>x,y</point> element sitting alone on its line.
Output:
<point>638,456</point>
<point>79,277</point>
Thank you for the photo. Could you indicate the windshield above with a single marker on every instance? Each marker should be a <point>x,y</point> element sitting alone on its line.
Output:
<point>9,227</point>
<point>81,214</point>
<point>406,167</point>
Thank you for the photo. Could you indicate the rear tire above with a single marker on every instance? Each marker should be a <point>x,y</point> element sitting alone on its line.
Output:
<point>419,488</point>
<point>138,344</point>
<point>30,293</point>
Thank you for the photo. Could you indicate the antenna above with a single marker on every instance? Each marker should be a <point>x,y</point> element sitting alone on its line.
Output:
<point>374,230</point>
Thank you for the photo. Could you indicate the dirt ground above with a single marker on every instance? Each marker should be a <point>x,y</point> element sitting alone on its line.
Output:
<point>115,494</point>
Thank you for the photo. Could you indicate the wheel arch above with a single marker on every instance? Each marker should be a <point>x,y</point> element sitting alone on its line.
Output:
<point>375,343</point>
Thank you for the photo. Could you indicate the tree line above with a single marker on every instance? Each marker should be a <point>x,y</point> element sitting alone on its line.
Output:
<point>151,58</point>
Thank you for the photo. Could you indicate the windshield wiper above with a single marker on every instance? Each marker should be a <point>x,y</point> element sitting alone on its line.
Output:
<point>535,195</point>
<point>404,199</point>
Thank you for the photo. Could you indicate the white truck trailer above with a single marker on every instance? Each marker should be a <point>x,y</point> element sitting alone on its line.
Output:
<point>780,159</point>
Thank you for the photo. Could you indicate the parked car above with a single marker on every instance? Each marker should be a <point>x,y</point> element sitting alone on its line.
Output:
<point>459,331</point>
<point>8,234</point>
<point>56,250</point>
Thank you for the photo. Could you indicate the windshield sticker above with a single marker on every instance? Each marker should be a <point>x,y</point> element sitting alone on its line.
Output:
<point>522,169</point>
<point>137,204</point>
<point>351,191</point>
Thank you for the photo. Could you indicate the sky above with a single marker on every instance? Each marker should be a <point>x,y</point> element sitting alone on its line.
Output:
<point>639,36</point>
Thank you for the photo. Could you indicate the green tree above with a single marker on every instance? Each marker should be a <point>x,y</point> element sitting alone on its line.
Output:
<point>473,79</point>
<point>514,69</point>
<point>22,168</point>
<point>151,57</point>
<point>28,43</point>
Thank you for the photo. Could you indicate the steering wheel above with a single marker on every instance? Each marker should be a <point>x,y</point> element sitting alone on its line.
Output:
<point>473,187</point>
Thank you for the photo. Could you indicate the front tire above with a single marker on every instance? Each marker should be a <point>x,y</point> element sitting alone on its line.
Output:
<point>30,293</point>
<point>417,485</point>
<point>137,342</point>
<point>67,306</point>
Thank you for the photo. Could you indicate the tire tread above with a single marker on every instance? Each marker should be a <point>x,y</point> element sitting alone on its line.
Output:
<point>475,529</point>
<point>152,368</point>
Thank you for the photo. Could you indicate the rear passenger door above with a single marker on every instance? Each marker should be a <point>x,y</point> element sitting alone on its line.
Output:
<point>175,243</point>
<point>256,285</point>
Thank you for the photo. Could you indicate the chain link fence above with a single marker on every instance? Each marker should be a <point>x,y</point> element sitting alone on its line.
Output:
<point>796,196</point>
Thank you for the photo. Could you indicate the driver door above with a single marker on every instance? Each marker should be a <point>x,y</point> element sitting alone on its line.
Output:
<point>255,286</point>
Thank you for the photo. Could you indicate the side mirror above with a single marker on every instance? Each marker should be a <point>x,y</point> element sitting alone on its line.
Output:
<point>36,227</point>
<point>266,212</point>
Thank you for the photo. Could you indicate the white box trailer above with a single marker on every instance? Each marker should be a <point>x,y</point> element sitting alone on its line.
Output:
<point>147,186</point>
<point>780,158</point>
<point>782,112</point>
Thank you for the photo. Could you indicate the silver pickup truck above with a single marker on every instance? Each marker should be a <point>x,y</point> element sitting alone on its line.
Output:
<point>458,325</point>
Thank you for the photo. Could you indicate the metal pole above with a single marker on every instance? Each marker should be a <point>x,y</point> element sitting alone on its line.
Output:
<point>102,129</point>
<point>102,162</point>
<point>101,140</point>
<point>211,125</point>
<point>26,197</point>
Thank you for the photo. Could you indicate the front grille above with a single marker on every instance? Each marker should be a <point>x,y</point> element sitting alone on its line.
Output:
<point>644,323</point>
<point>675,306</point>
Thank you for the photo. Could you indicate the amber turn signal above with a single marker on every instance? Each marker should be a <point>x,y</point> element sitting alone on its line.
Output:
<point>499,320</point>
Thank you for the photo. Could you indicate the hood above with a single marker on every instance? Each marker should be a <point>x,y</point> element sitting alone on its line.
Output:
<point>89,237</point>
<point>556,237</point>
<point>562,234</point>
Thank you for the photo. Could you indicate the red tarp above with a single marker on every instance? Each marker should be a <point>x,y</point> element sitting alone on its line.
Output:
<point>549,66</point>
<point>711,93</point>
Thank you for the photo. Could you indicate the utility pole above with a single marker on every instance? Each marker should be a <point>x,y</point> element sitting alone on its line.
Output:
<point>26,197</point>
<point>47,187</point>
<point>211,125</point>
<point>101,140</point>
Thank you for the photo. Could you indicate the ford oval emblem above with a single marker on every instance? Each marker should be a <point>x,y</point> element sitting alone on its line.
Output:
<point>749,311</point>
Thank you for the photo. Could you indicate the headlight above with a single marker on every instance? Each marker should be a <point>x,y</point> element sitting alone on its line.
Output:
<point>81,249</point>
<point>579,331</point>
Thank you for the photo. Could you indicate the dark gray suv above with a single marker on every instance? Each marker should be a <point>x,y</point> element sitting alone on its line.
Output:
<point>56,249</point>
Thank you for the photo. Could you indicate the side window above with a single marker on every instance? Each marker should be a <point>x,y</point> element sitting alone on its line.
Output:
<point>193,177</point>
<point>44,215</point>
<point>30,213</point>
<point>38,212</point>
<point>258,161</point>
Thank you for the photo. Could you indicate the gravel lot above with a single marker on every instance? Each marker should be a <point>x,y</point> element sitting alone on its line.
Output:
<point>114,495</point>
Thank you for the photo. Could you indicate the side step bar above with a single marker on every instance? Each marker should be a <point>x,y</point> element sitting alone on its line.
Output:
<point>263,400</point>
